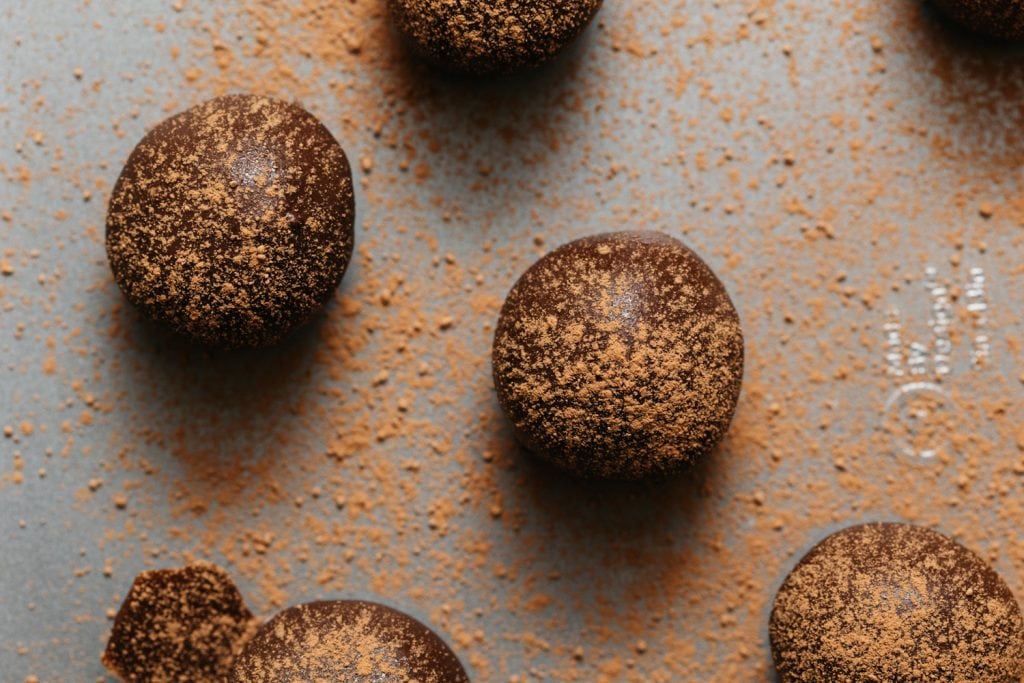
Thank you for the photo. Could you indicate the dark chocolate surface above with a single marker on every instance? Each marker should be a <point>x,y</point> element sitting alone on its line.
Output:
<point>619,356</point>
<point>179,625</point>
<point>233,221</point>
<point>894,602</point>
<point>346,641</point>
<point>491,36</point>
<point>997,18</point>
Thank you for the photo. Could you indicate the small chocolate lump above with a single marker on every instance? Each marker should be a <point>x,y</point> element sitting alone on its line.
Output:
<point>619,356</point>
<point>483,37</point>
<point>997,18</point>
<point>233,221</point>
<point>893,602</point>
<point>346,641</point>
<point>179,625</point>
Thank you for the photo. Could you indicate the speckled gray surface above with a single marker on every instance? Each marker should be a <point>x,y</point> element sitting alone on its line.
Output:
<point>816,154</point>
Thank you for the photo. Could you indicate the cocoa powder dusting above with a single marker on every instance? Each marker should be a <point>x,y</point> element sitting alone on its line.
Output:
<point>491,36</point>
<point>619,356</point>
<point>179,625</point>
<point>232,222</point>
<point>893,602</point>
<point>351,641</point>
<point>818,156</point>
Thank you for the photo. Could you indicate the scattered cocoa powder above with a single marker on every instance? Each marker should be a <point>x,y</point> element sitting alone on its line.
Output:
<point>818,157</point>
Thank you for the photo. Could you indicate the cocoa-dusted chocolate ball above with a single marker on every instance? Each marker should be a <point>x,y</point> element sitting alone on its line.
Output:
<point>894,602</point>
<point>183,624</point>
<point>997,18</point>
<point>619,356</point>
<point>191,624</point>
<point>346,641</point>
<point>233,221</point>
<point>490,36</point>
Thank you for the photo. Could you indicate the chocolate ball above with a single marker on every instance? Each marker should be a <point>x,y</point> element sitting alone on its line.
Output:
<point>997,18</point>
<point>179,625</point>
<point>346,641</point>
<point>490,36</point>
<point>893,602</point>
<point>619,356</point>
<point>233,221</point>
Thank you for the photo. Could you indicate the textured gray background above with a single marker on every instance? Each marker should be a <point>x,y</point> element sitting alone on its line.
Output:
<point>923,140</point>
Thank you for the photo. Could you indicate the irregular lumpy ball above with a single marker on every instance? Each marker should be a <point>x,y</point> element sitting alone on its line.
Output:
<point>491,36</point>
<point>894,602</point>
<point>232,222</point>
<point>997,18</point>
<point>619,356</point>
<point>183,624</point>
<point>346,641</point>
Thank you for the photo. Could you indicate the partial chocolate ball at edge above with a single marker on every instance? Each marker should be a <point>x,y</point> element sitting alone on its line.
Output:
<point>619,356</point>
<point>185,624</point>
<point>1002,19</point>
<point>484,37</point>
<point>347,641</point>
<point>232,222</point>
<point>895,602</point>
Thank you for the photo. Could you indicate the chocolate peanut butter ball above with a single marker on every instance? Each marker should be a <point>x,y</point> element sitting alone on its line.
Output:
<point>619,356</point>
<point>179,625</point>
<point>346,641</point>
<point>997,18</point>
<point>491,36</point>
<point>233,221</point>
<point>893,602</point>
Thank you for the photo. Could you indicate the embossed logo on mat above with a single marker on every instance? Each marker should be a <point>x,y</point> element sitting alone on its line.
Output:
<point>918,412</point>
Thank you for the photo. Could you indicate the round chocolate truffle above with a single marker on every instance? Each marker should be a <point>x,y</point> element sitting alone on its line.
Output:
<point>893,602</point>
<point>997,18</point>
<point>346,642</point>
<point>490,36</point>
<point>233,221</point>
<point>619,356</point>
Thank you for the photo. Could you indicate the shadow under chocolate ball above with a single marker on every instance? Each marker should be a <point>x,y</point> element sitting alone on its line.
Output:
<point>347,641</point>
<point>997,18</point>
<point>232,222</point>
<point>619,356</point>
<point>894,602</point>
<point>484,37</point>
